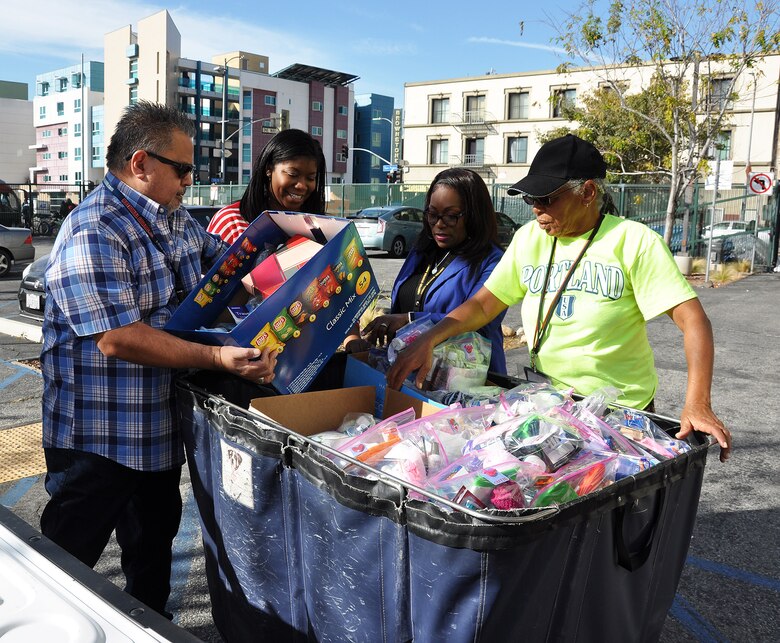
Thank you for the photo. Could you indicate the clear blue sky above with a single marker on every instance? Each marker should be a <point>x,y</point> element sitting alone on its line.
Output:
<point>385,44</point>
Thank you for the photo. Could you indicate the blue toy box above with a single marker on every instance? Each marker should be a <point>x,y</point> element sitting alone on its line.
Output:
<point>307,317</point>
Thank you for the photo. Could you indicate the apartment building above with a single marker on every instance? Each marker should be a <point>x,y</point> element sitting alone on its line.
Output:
<point>492,123</point>
<point>233,99</point>
<point>16,132</point>
<point>68,122</point>
<point>373,140</point>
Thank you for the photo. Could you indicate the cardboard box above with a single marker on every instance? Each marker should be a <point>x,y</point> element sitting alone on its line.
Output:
<point>307,317</point>
<point>317,411</point>
<point>358,372</point>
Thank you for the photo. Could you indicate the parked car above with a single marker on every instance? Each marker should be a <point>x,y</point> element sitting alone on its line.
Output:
<point>393,228</point>
<point>16,248</point>
<point>32,289</point>
<point>203,213</point>
<point>506,229</point>
<point>725,228</point>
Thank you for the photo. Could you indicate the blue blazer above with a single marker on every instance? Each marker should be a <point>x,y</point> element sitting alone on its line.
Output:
<point>452,287</point>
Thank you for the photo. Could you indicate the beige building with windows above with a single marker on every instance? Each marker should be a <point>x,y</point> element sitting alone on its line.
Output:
<point>492,123</point>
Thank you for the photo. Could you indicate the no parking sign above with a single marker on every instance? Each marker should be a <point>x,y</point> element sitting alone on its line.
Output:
<point>761,182</point>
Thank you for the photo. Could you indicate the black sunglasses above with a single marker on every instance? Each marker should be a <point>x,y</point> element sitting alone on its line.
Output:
<point>182,169</point>
<point>546,201</point>
<point>448,219</point>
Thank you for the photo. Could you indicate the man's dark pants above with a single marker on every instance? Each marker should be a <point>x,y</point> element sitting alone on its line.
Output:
<point>92,495</point>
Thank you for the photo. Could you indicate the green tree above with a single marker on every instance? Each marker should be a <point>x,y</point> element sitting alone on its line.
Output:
<point>681,50</point>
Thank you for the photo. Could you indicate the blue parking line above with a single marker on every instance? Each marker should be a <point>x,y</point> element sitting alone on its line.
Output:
<point>733,572</point>
<point>21,371</point>
<point>697,625</point>
<point>183,546</point>
<point>15,493</point>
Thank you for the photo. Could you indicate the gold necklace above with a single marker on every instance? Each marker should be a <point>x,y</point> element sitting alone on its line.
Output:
<point>425,281</point>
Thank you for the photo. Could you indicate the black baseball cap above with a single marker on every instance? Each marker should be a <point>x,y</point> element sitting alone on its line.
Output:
<point>557,161</point>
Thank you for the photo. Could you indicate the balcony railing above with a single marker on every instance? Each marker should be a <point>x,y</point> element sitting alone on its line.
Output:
<point>474,122</point>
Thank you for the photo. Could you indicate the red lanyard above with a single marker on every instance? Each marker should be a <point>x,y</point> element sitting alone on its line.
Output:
<point>540,330</point>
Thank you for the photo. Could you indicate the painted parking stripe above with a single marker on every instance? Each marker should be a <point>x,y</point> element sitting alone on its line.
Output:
<point>20,371</point>
<point>692,621</point>
<point>736,574</point>
<point>183,554</point>
<point>15,493</point>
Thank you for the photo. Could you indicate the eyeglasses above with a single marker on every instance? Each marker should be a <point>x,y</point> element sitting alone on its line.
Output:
<point>545,201</point>
<point>447,219</point>
<point>182,169</point>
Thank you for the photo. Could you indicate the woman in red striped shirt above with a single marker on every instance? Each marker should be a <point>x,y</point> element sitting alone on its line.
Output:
<point>289,174</point>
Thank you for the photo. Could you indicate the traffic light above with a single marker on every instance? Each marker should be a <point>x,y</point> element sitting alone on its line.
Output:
<point>345,151</point>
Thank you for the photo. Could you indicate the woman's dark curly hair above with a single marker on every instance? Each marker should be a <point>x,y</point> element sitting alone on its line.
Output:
<point>479,215</point>
<point>286,145</point>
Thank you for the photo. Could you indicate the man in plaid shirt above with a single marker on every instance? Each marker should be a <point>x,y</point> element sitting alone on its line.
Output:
<point>119,267</point>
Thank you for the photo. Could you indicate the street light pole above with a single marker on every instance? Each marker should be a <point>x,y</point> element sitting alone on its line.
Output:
<point>225,77</point>
<point>382,118</point>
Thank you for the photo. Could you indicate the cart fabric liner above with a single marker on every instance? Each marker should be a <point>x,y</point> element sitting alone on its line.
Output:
<point>308,553</point>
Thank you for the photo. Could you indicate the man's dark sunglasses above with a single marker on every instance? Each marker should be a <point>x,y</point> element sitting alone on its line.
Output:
<point>448,219</point>
<point>182,169</point>
<point>545,201</point>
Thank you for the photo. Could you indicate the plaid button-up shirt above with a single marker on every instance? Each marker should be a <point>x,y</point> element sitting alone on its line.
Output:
<point>106,272</point>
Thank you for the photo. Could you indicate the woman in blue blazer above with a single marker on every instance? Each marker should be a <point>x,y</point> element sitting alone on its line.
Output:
<point>449,263</point>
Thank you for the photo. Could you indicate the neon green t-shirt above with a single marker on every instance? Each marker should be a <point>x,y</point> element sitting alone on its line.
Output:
<point>597,335</point>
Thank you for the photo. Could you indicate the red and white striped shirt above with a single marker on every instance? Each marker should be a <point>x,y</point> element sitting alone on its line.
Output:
<point>228,223</point>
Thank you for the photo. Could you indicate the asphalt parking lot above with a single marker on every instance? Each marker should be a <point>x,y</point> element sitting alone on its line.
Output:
<point>730,588</point>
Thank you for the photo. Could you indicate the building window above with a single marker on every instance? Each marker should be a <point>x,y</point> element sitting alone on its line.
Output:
<point>718,97</point>
<point>75,79</point>
<point>62,155</point>
<point>46,133</point>
<point>246,153</point>
<point>376,139</point>
<point>517,106</point>
<point>439,151</point>
<point>316,130</point>
<point>47,178</point>
<point>340,158</point>
<point>376,113</point>
<point>60,109</point>
<point>133,97</point>
<point>62,131</point>
<point>42,111</point>
<point>270,100</point>
<point>46,156</point>
<point>440,110</point>
<point>517,149</point>
<point>77,153</point>
<point>63,178</point>
<point>77,176</point>
<point>247,101</point>
<point>374,161</point>
<point>62,84</point>
<point>97,154</point>
<point>77,105</point>
<point>475,152</point>
<point>341,133</point>
<point>76,129</point>
<point>723,145</point>
<point>95,127</point>
<point>343,110</point>
<point>44,89</point>
<point>316,106</point>
<point>475,109</point>
<point>133,68</point>
<point>562,98</point>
